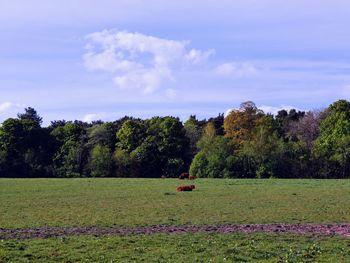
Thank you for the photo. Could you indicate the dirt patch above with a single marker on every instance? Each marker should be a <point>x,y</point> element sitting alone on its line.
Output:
<point>47,232</point>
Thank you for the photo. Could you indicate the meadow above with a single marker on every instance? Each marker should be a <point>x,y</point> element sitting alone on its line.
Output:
<point>133,202</point>
<point>27,203</point>
<point>179,248</point>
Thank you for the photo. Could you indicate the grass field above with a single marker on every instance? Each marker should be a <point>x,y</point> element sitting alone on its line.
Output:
<point>179,248</point>
<point>135,202</point>
<point>131,202</point>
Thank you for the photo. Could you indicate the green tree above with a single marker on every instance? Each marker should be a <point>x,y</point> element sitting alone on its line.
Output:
<point>101,162</point>
<point>103,134</point>
<point>12,137</point>
<point>71,157</point>
<point>26,148</point>
<point>131,135</point>
<point>193,132</point>
<point>214,160</point>
<point>331,145</point>
<point>264,152</point>
<point>172,145</point>
<point>31,115</point>
<point>152,148</point>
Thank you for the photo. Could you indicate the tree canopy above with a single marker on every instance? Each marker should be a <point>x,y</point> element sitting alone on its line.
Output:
<point>247,143</point>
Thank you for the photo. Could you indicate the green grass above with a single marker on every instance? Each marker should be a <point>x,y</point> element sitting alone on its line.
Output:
<point>131,202</point>
<point>179,248</point>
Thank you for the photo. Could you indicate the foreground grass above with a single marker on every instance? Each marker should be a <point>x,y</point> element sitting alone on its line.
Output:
<point>132,202</point>
<point>179,248</point>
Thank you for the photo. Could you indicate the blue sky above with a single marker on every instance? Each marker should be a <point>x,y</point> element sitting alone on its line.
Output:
<point>104,59</point>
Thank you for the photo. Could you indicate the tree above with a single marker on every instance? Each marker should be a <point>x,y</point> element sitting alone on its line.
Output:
<point>101,162</point>
<point>239,124</point>
<point>26,148</point>
<point>287,120</point>
<point>193,133</point>
<point>306,128</point>
<point>172,144</point>
<point>264,150</point>
<point>72,154</point>
<point>103,134</point>
<point>218,123</point>
<point>131,135</point>
<point>331,145</point>
<point>12,137</point>
<point>208,137</point>
<point>152,148</point>
<point>31,115</point>
<point>214,160</point>
<point>146,159</point>
<point>123,163</point>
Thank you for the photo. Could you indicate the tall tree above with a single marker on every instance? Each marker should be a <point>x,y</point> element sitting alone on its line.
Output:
<point>101,163</point>
<point>131,134</point>
<point>72,153</point>
<point>215,159</point>
<point>239,124</point>
<point>332,143</point>
<point>193,132</point>
<point>31,115</point>
<point>26,148</point>
<point>264,149</point>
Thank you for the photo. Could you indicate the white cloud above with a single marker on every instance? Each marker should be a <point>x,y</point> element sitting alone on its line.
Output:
<point>274,110</point>
<point>147,80</point>
<point>93,117</point>
<point>139,61</point>
<point>236,70</point>
<point>227,112</point>
<point>196,56</point>
<point>9,106</point>
<point>5,106</point>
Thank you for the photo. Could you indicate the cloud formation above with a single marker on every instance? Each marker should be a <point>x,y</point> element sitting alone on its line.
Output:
<point>237,70</point>
<point>9,106</point>
<point>274,110</point>
<point>93,117</point>
<point>138,61</point>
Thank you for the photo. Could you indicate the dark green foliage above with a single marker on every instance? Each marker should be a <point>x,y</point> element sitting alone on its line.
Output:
<point>247,143</point>
<point>218,123</point>
<point>152,148</point>
<point>31,116</point>
<point>193,133</point>
<point>71,157</point>
<point>25,147</point>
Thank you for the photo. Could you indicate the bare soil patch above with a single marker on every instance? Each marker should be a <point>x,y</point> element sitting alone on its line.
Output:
<point>48,232</point>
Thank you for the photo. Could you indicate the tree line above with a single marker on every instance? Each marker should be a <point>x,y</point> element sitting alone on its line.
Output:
<point>247,143</point>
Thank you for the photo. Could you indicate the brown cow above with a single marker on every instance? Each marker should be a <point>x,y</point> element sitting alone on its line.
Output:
<point>184,176</point>
<point>185,188</point>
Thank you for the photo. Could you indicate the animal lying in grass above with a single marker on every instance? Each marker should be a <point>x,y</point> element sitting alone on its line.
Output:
<point>185,188</point>
<point>184,176</point>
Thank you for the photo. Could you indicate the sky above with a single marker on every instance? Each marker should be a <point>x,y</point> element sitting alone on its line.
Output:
<point>89,60</point>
